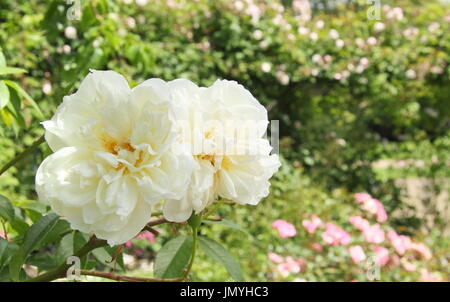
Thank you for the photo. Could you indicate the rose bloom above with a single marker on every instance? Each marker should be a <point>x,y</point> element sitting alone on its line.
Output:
<point>113,156</point>
<point>224,125</point>
<point>381,255</point>
<point>313,224</point>
<point>401,243</point>
<point>334,235</point>
<point>357,253</point>
<point>359,222</point>
<point>317,247</point>
<point>374,234</point>
<point>284,228</point>
<point>289,266</point>
<point>275,258</point>
<point>422,250</point>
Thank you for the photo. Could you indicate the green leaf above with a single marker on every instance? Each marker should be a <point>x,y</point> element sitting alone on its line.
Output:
<point>34,236</point>
<point>65,248</point>
<point>44,261</point>
<point>24,94</point>
<point>10,70</point>
<point>6,209</point>
<point>219,253</point>
<point>102,256</point>
<point>32,205</point>
<point>173,257</point>
<point>4,94</point>
<point>2,59</point>
<point>7,250</point>
<point>228,224</point>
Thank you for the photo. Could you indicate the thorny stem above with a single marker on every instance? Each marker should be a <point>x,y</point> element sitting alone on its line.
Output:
<point>21,155</point>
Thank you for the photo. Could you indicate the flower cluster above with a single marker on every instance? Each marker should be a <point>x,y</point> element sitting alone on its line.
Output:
<point>120,152</point>
<point>364,242</point>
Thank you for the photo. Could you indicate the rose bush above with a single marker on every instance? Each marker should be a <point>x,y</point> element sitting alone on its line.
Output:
<point>350,95</point>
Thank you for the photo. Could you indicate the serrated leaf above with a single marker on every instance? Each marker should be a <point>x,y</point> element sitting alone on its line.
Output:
<point>34,236</point>
<point>10,70</point>
<point>173,257</point>
<point>228,224</point>
<point>6,209</point>
<point>4,94</point>
<point>219,253</point>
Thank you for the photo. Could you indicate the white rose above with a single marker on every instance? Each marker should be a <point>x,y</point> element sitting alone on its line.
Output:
<point>114,156</point>
<point>235,168</point>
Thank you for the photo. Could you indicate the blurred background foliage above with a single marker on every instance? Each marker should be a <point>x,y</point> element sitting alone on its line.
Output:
<point>364,105</point>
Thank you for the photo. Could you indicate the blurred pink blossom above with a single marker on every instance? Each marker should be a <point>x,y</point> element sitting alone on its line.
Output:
<point>334,235</point>
<point>401,243</point>
<point>317,247</point>
<point>275,258</point>
<point>359,222</point>
<point>357,253</point>
<point>381,255</point>
<point>422,250</point>
<point>284,228</point>
<point>150,237</point>
<point>426,276</point>
<point>289,266</point>
<point>408,266</point>
<point>313,224</point>
<point>362,197</point>
<point>374,234</point>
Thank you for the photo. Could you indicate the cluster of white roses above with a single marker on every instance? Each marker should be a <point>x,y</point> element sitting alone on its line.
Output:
<point>120,152</point>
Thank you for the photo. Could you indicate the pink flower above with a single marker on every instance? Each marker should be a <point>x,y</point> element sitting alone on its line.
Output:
<point>284,228</point>
<point>317,247</point>
<point>362,197</point>
<point>426,276</point>
<point>334,235</point>
<point>408,266</point>
<point>128,244</point>
<point>359,222</point>
<point>356,253</point>
<point>422,250</point>
<point>381,255</point>
<point>2,235</point>
<point>289,266</point>
<point>374,234</point>
<point>150,237</point>
<point>401,243</point>
<point>372,205</point>
<point>275,258</point>
<point>381,212</point>
<point>313,224</point>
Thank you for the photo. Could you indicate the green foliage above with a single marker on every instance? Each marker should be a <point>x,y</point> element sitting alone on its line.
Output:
<point>337,121</point>
<point>173,258</point>
<point>219,253</point>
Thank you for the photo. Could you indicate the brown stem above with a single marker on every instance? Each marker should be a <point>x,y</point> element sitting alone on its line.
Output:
<point>61,270</point>
<point>92,244</point>
<point>126,278</point>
